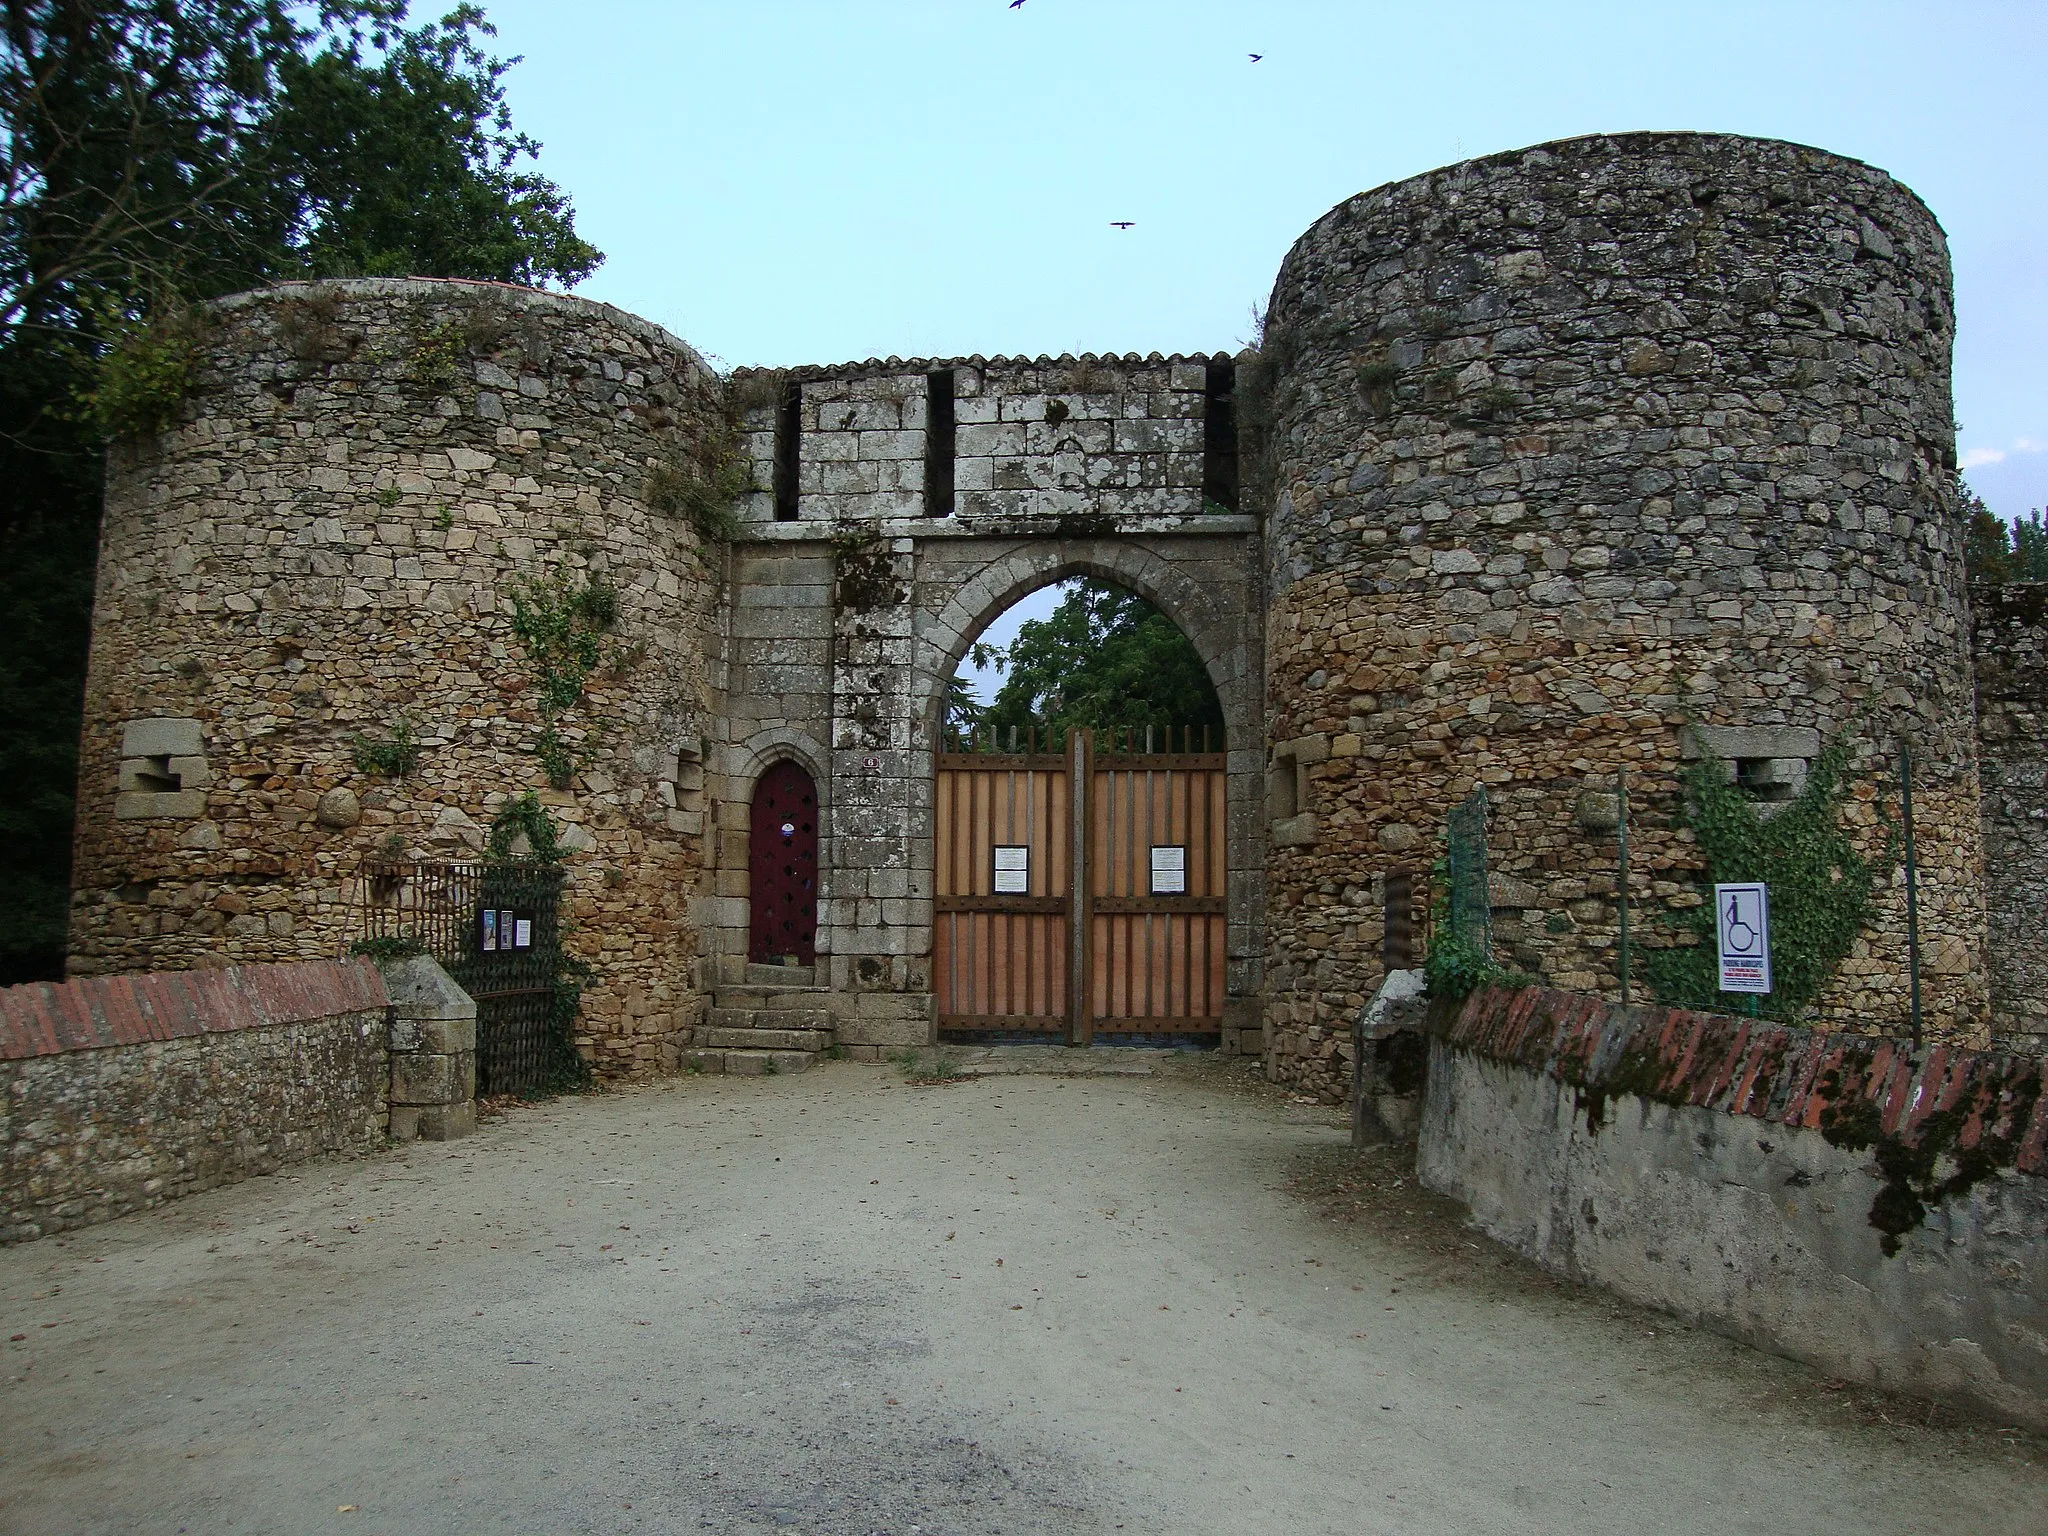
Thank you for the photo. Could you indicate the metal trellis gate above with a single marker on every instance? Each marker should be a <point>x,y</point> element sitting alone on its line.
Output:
<point>496,929</point>
<point>1471,903</point>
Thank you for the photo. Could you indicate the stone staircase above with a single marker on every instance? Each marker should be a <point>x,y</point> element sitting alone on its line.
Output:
<point>775,1021</point>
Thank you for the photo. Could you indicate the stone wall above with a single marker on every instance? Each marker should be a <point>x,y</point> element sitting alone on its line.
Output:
<point>118,1093</point>
<point>323,551</point>
<point>1572,448</point>
<point>2012,729</point>
<point>1032,437</point>
<point>845,621</point>
<point>1727,1171</point>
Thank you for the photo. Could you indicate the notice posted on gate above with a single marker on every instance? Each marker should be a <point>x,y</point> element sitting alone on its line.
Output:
<point>1013,871</point>
<point>1742,926</point>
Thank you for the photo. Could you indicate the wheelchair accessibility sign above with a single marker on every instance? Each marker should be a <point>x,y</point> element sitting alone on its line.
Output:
<point>1742,921</point>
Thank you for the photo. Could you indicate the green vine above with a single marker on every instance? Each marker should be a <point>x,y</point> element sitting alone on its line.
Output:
<point>524,815</point>
<point>140,383</point>
<point>1822,889</point>
<point>571,1073</point>
<point>561,623</point>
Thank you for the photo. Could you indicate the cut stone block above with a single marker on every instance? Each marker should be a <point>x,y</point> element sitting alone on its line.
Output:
<point>162,737</point>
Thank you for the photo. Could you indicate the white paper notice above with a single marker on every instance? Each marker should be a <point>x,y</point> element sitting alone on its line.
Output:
<point>522,934</point>
<point>1169,870</point>
<point>1013,871</point>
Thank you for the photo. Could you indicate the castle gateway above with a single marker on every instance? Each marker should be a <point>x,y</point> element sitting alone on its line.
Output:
<point>1550,466</point>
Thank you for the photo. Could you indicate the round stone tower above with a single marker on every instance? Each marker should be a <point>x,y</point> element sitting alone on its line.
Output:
<point>308,579</point>
<point>1590,458</point>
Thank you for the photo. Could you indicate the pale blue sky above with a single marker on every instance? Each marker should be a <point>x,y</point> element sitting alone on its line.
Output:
<point>791,181</point>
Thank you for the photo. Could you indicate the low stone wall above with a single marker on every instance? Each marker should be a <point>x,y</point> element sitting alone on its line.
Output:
<point>120,1092</point>
<point>1839,1199</point>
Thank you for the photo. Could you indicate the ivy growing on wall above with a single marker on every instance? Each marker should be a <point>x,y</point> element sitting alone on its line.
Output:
<point>525,816</point>
<point>560,622</point>
<point>1823,892</point>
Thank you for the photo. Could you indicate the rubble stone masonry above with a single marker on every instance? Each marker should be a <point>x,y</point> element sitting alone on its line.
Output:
<point>2012,726</point>
<point>1565,464</point>
<point>1589,456</point>
<point>120,1092</point>
<point>325,550</point>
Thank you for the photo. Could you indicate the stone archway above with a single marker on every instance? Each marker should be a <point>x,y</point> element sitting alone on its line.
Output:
<point>1203,586</point>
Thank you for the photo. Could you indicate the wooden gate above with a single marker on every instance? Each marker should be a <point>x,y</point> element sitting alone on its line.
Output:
<point>1080,894</point>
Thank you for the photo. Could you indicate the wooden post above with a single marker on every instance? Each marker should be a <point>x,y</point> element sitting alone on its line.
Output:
<point>1080,765</point>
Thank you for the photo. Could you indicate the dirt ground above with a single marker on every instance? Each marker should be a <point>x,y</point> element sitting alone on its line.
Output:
<point>837,1303</point>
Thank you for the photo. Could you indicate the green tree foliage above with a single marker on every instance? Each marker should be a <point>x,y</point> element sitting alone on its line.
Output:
<point>1108,659</point>
<point>360,131</point>
<point>1999,552</point>
<point>162,152</point>
<point>1822,889</point>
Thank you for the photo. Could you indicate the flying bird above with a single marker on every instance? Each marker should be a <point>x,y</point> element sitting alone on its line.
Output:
<point>1254,57</point>
<point>1015,3</point>
<point>1120,223</point>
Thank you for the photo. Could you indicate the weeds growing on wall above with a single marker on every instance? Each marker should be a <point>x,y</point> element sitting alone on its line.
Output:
<point>389,757</point>
<point>435,364</point>
<point>560,623</point>
<point>389,946</point>
<point>1823,892</point>
<point>139,384</point>
<point>701,477</point>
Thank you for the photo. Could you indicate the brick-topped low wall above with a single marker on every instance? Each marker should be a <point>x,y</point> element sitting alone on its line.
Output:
<point>1841,1199</point>
<point>119,1092</point>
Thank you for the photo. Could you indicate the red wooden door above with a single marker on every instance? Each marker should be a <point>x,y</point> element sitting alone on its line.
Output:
<point>782,859</point>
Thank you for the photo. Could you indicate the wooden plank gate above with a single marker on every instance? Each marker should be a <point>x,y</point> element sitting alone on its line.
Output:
<point>1080,893</point>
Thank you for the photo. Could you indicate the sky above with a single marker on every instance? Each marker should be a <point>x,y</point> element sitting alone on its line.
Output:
<point>797,181</point>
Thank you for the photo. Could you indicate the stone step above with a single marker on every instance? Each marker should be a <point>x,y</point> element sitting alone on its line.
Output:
<point>758,1039</point>
<point>768,997</point>
<point>766,1063</point>
<point>782,975</point>
<point>766,1018</point>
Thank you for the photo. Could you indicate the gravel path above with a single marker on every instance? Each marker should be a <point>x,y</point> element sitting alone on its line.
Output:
<point>840,1305</point>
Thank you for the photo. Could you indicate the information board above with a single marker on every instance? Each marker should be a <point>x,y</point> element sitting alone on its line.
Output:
<point>1742,926</point>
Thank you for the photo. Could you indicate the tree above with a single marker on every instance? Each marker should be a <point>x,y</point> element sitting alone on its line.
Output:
<point>1997,552</point>
<point>154,153</point>
<point>1108,659</point>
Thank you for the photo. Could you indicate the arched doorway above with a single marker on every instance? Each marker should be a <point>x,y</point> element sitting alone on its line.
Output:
<point>782,862</point>
<point>1081,862</point>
